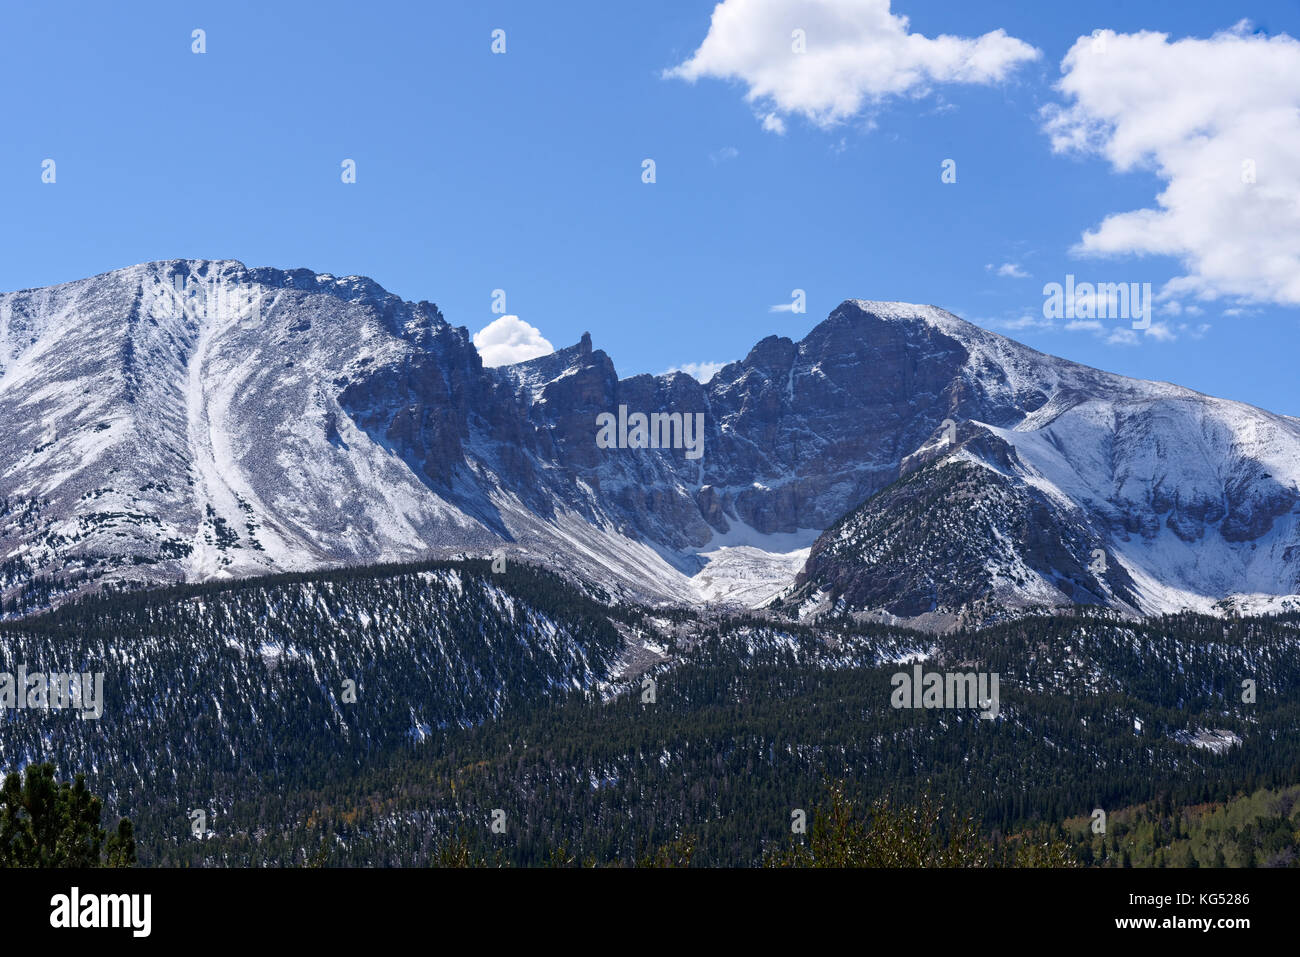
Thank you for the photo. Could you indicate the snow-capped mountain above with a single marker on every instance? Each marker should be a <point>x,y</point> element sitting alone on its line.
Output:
<point>198,419</point>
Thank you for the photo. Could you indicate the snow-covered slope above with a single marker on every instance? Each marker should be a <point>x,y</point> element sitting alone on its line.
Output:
<point>261,419</point>
<point>1190,499</point>
<point>151,436</point>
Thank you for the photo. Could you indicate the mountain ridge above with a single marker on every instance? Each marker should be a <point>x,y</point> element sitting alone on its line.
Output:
<point>190,435</point>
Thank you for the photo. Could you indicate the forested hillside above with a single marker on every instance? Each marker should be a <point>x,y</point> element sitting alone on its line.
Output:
<point>217,694</point>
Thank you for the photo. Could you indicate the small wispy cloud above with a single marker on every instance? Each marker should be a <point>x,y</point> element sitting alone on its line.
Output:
<point>723,155</point>
<point>1027,321</point>
<point>702,371</point>
<point>1106,332</point>
<point>1126,336</point>
<point>1008,271</point>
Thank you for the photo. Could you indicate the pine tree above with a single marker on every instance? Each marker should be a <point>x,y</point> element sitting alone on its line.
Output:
<point>48,824</point>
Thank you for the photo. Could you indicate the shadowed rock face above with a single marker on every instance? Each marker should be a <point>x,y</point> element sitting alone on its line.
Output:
<point>796,433</point>
<point>145,440</point>
<point>822,423</point>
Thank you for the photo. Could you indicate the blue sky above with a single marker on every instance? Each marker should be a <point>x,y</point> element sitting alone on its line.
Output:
<point>522,171</point>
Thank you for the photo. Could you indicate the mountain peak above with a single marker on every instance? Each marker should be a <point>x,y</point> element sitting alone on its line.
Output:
<point>889,308</point>
<point>910,312</point>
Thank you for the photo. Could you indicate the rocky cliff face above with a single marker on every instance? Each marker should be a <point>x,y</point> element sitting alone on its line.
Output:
<point>194,419</point>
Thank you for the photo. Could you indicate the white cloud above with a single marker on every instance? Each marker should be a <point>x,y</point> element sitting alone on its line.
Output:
<point>857,54</point>
<point>1126,336</point>
<point>703,371</point>
<point>724,154</point>
<point>1161,332</point>
<point>1204,115</point>
<point>1008,271</point>
<point>1027,321</point>
<point>508,340</point>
